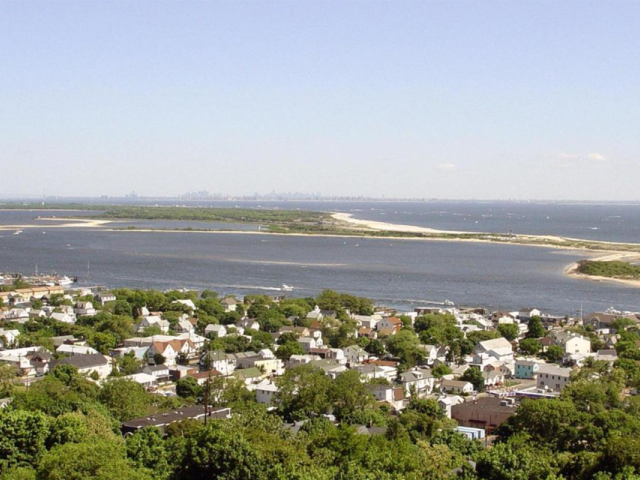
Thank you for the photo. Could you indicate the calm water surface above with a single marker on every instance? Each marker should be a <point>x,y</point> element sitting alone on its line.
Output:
<point>395,272</point>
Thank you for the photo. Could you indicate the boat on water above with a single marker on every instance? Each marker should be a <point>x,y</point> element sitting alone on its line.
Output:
<point>449,303</point>
<point>286,288</point>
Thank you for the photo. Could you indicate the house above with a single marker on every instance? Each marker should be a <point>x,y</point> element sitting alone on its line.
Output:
<point>527,313</point>
<point>76,350</point>
<point>21,358</point>
<point>487,413</point>
<point>215,331</point>
<point>162,420</point>
<point>146,380</point>
<point>184,326</point>
<point>104,297</point>
<point>355,354</point>
<point>526,369</point>
<point>89,364</point>
<point>551,377</point>
<point>315,314</point>
<point>459,387</point>
<point>446,403</point>
<point>371,371</point>
<point>308,343</point>
<point>8,338</point>
<point>389,323</point>
<point>499,348</point>
<point>187,303</point>
<point>85,309</point>
<point>394,396</point>
<point>62,317</point>
<point>249,375</point>
<point>493,378</point>
<point>230,304</point>
<point>604,321</point>
<point>160,372</point>
<point>217,360</point>
<point>153,321</point>
<point>417,380</point>
<point>249,324</point>
<point>430,353</point>
<point>577,344</point>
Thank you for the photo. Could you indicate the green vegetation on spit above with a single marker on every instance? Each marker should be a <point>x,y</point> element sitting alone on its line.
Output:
<point>610,269</point>
<point>306,222</point>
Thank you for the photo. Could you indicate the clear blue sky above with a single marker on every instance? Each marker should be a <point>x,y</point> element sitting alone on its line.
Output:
<point>450,99</point>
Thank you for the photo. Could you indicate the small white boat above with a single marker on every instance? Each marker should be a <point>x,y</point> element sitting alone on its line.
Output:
<point>286,288</point>
<point>17,232</point>
<point>65,281</point>
<point>449,303</point>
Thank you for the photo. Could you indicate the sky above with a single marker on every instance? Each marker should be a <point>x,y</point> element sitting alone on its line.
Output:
<point>430,99</point>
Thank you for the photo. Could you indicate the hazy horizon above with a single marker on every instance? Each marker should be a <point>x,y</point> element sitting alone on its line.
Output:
<point>455,100</point>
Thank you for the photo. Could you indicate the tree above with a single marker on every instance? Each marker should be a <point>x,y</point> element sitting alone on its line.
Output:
<point>554,353</point>
<point>103,342</point>
<point>218,451</point>
<point>349,395</point>
<point>146,449</point>
<point>22,437</point>
<point>188,387</point>
<point>303,392</point>
<point>536,330</point>
<point>475,376</point>
<point>530,346</point>
<point>285,351</point>
<point>510,331</point>
<point>99,460</point>
<point>8,374</point>
<point>405,345</point>
<point>128,364</point>
<point>125,399</point>
<point>441,370</point>
<point>159,359</point>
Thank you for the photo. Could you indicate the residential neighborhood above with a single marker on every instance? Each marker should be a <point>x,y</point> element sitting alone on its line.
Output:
<point>208,357</point>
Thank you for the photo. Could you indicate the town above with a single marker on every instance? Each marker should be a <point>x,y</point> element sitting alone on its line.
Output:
<point>156,360</point>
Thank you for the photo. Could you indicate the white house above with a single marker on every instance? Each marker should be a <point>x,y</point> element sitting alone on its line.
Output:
<point>215,331</point>
<point>418,380</point>
<point>8,338</point>
<point>187,303</point>
<point>446,402</point>
<point>184,326</point>
<point>63,317</point>
<point>85,309</point>
<point>355,354</point>
<point>309,343</point>
<point>265,392</point>
<point>154,321</point>
<point>499,348</point>
<point>76,350</point>
<point>230,304</point>
<point>456,386</point>
<point>144,379</point>
<point>577,344</point>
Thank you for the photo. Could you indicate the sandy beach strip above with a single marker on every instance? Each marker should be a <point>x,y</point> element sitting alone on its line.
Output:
<point>572,270</point>
<point>71,223</point>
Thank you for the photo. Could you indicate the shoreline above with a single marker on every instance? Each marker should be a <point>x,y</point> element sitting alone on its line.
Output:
<point>572,270</point>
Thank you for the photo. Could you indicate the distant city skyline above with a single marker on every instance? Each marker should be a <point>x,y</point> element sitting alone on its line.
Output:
<point>397,99</point>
